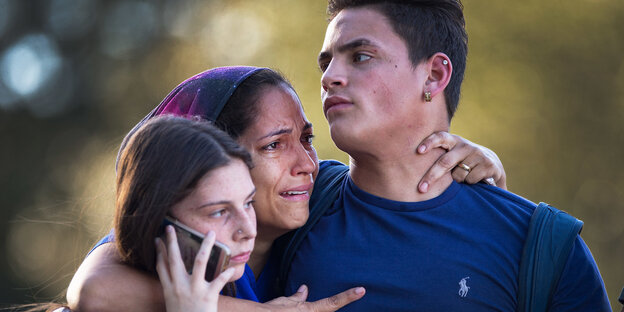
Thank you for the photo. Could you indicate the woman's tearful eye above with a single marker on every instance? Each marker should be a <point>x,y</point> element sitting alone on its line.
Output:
<point>308,139</point>
<point>271,146</point>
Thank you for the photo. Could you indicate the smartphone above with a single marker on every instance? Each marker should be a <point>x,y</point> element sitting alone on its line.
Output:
<point>189,242</point>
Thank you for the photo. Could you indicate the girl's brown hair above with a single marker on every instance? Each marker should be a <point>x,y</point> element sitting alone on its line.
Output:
<point>161,165</point>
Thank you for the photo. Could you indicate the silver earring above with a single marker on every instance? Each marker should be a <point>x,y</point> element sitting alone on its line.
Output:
<point>445,62</point>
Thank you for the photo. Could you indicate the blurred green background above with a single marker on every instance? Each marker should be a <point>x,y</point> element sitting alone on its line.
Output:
<point>544,89</point>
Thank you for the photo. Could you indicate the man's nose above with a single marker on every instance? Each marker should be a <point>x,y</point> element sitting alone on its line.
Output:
<point>334,75</point>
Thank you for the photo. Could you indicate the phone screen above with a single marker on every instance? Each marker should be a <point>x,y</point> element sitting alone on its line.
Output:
<point>189,242</point>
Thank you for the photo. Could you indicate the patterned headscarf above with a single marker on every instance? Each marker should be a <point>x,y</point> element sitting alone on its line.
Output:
<point>203,95</point>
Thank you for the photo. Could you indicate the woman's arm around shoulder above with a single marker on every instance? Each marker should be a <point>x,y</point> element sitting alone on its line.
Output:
<point>103,283</point>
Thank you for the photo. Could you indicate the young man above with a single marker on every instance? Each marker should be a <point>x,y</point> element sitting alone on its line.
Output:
<point>393,69</point>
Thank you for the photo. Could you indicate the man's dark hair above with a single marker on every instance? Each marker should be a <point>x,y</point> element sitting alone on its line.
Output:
<point>427,27</point>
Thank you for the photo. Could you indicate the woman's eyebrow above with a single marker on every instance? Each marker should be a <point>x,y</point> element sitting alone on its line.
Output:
<point>276,132</point>
<point>307,126</point>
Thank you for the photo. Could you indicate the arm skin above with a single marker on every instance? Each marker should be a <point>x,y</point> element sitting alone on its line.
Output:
<point>102,283</point>
<point>483,161</point>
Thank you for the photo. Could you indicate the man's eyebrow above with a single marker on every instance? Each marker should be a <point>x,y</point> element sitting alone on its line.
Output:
<point>353,44</point>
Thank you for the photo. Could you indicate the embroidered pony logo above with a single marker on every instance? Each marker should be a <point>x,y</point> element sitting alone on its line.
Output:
<point>463,288</point>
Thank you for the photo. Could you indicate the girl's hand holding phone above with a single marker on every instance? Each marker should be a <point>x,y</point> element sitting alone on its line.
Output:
<point>183,291</point>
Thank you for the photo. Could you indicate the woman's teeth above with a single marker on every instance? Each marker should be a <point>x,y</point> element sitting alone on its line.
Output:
<point>295,193</point>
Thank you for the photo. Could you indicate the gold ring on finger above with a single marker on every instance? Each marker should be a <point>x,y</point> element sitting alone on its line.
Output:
<point>465,167</point>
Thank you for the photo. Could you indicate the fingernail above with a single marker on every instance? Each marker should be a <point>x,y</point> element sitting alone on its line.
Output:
<point>169,228</point>
<point>359,290</point>
<point>424,187</point>
<point>301,289</point>
<point>210,233</point>
<point>422,148</point>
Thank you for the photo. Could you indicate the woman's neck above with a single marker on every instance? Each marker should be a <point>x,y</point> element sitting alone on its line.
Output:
<point>262,250</point>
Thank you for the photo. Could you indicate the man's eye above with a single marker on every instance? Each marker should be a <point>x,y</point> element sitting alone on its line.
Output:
<point>323,66</point>
<point>361,57</point>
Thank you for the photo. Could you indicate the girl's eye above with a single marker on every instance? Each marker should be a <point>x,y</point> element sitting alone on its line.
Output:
<point>249,204</point>
<point>361,58</point>
<point>217,214</point>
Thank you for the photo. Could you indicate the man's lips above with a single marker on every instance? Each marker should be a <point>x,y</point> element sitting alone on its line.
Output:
<point>334,101</point>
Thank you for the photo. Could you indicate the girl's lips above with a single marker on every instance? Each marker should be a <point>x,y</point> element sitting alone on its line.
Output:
<point>241,257</point>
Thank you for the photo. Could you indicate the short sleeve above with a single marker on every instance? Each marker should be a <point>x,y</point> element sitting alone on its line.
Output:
<point>580,287</point>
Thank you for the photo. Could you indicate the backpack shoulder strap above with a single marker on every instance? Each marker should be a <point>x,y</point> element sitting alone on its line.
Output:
<point>551,236</point>
<point>326,191</point>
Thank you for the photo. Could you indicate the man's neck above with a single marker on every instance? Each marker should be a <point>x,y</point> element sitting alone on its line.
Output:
<point>396,177</point>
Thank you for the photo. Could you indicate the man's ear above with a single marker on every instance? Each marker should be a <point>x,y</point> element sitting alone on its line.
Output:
<point>439,69</point>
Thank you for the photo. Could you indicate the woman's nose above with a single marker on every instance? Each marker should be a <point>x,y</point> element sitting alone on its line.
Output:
<point>304,163</point>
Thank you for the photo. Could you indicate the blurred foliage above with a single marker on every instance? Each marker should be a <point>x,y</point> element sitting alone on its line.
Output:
<point>544,89</point>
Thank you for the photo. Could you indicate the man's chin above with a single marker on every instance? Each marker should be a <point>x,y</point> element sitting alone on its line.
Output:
<point>345,138</point>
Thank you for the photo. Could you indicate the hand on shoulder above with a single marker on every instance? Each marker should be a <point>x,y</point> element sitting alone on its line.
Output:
<point>468,162</point>
<point>297,302</point>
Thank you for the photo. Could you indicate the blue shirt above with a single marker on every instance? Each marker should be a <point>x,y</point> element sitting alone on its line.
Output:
<point>246,285</point>
<point>459,251</point>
